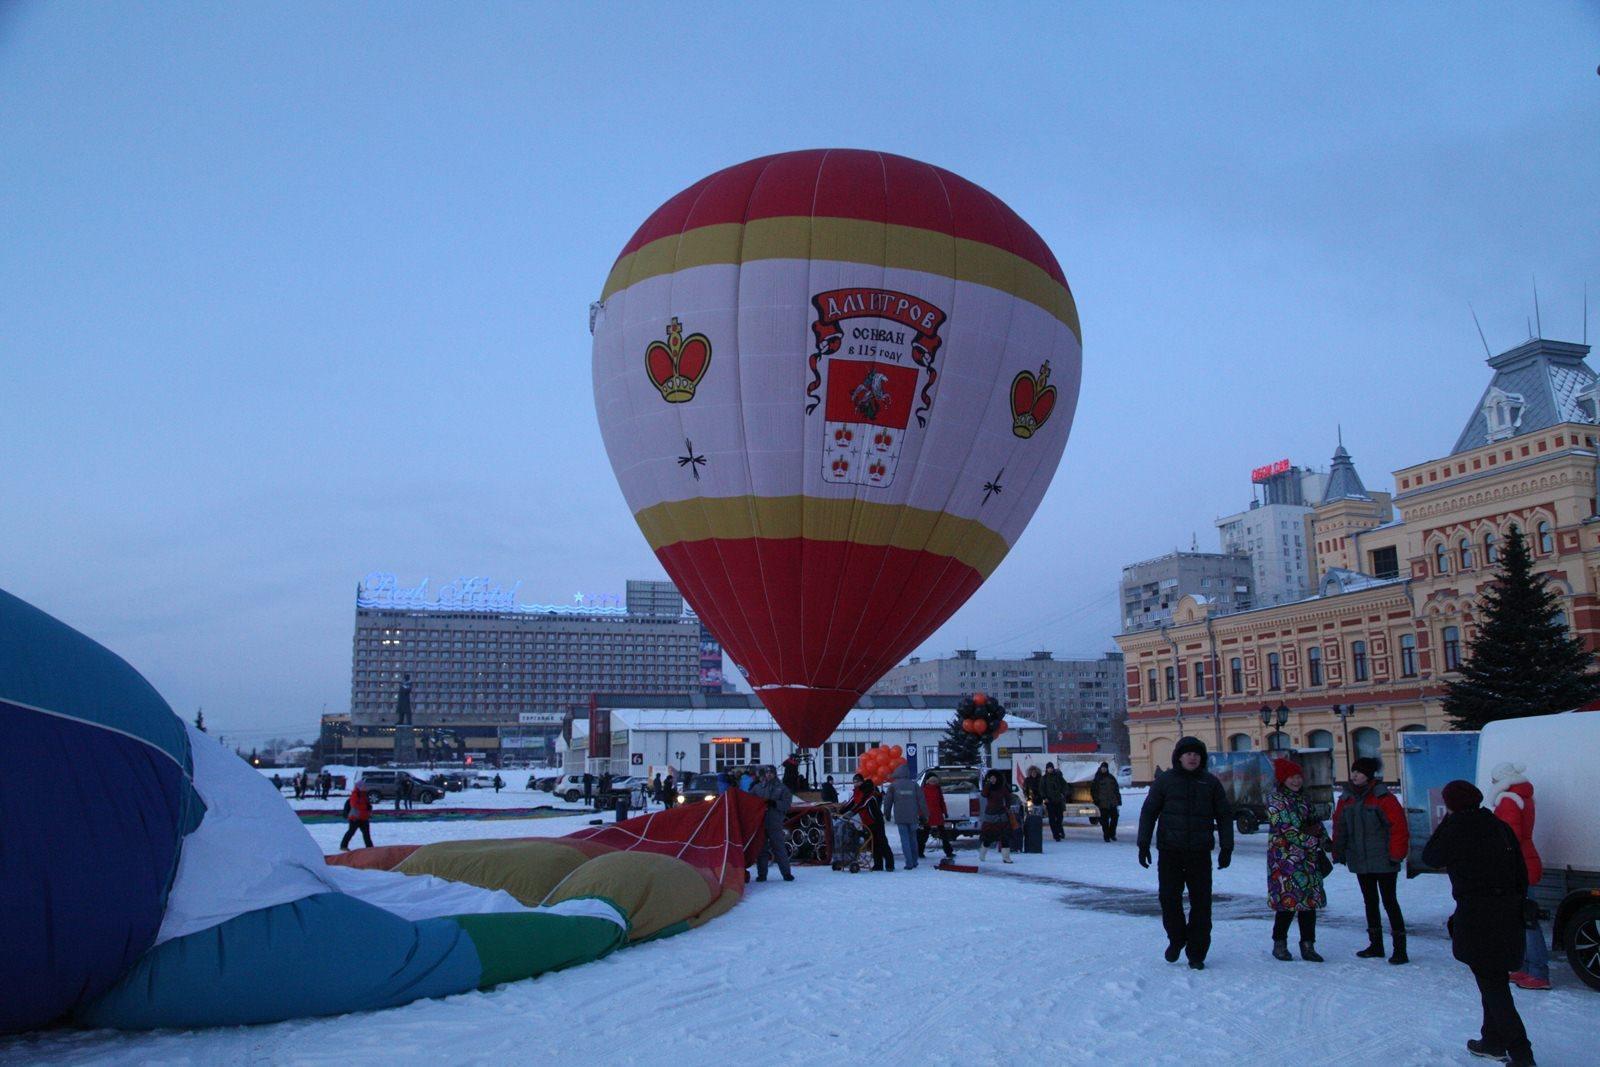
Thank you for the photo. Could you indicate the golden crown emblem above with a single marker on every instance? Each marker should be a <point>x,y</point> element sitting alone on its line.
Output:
<point>676,365</point>
<point>1032,401</point>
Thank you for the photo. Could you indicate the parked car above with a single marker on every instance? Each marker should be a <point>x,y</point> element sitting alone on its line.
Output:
<point>452,781</point>
<point>700,787</point>
<point>569,787</point>
<point>544,783</point>
<point>636,788</point>
<point>385,785</point>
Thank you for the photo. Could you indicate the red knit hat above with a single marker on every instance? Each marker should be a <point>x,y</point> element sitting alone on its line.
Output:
<point>1284,769</point>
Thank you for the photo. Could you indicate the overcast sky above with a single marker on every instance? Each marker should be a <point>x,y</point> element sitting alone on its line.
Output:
<point>294,292</point>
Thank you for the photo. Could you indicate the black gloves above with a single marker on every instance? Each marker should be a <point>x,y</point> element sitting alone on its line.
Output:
<point>1144,857</point>
<point>1224,858</point>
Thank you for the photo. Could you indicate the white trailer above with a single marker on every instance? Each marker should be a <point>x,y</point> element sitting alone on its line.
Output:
<point>1559,753</point>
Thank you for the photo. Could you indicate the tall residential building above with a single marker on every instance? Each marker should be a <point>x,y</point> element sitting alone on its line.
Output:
<point>1151,589</point>
<point>1068,695</point>
<point>1272,531</point>
<point>1366,658</point>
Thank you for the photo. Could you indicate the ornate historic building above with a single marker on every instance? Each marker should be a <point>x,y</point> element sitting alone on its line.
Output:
<point>1393,613</point>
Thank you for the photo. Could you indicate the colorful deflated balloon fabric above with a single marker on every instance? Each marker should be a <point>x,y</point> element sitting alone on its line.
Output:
<point>150,878</point>
<point>95,795</point>
<point>833,386</point>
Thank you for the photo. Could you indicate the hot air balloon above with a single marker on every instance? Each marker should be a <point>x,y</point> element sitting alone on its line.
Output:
<point>834,386</point>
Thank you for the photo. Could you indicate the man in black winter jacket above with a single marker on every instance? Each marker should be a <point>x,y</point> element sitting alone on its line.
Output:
<point>1189,803</point>
<point>1489,880</point>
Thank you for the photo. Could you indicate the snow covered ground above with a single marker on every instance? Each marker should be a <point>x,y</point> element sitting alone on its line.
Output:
<point>1057,956</point>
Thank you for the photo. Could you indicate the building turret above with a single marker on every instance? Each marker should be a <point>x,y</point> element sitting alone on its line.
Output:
<point>1347,510</point>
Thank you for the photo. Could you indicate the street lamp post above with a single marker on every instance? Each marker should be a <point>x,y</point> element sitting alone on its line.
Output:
<point>1344,711</point>
<point>1271,717</point>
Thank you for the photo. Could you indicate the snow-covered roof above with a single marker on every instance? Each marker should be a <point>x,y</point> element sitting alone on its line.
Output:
<point>1342,580</point>
<point>756,719</point>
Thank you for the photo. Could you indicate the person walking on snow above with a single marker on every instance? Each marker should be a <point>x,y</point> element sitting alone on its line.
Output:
<point>1188,803</point>
<point>499,783</point>
<point>1371,839</point>
<point>1512,804</point>
<point>358,811</point>
<point>776,845</point>
<point>938,823</point>
<point>1489,880</point>
<point>906,807</point>
<point>1107,797</point>
<point>994,823</point>
<point>1055,800</point>
<point>1295,844</point>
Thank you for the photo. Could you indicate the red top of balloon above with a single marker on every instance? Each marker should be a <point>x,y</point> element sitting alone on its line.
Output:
<point>849,183</point>
<point>980,698</point>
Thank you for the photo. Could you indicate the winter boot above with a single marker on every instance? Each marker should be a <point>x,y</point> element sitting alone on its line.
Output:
<point>1308,952</point>
<point>1174,950</point>
<point>1005,854</point>
<point>1399,948</point>
<point>1280,948</point>
<point>1374,949</point>
<point>1486,1050</point>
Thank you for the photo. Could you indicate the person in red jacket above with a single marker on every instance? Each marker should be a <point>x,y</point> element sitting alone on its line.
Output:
<point>1370,838</point>
<point>867,802</point>
<point>938,818</point>
<point>1512,803</point>
<point>358,809</point>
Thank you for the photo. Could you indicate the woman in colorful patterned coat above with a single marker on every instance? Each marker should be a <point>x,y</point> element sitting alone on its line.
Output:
<point>1295,843</point>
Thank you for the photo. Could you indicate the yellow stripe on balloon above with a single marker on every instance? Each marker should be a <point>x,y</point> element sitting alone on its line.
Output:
<point>819,519</point>
<point>849,241</point>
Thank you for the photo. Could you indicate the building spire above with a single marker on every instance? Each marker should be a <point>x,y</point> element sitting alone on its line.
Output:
<point>1343,481</point>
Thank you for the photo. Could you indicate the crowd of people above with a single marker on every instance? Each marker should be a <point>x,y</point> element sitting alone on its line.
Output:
<point>1487,852</point>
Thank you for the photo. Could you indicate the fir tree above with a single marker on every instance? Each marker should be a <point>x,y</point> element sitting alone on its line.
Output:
<point>958,748</point>
<point>200,720</point>
<point>1523,660</point>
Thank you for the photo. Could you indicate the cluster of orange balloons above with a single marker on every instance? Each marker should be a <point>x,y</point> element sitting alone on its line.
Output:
<point>981,726</point>
<point>879,763</point>
<point>982,716</point>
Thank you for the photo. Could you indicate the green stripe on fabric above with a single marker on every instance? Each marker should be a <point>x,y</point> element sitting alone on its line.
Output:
<point>521,945</point>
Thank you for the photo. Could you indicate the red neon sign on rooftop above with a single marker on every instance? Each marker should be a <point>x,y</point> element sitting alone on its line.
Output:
<point>1261,474</point>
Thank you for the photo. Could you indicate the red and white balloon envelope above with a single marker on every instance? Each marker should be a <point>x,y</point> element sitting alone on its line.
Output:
<point>833,386</point>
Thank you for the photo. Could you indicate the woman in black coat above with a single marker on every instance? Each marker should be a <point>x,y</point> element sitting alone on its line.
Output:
<point>1488,879</point>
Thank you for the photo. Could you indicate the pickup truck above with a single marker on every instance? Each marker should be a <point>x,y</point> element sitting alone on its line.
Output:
<point>961,797</point>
